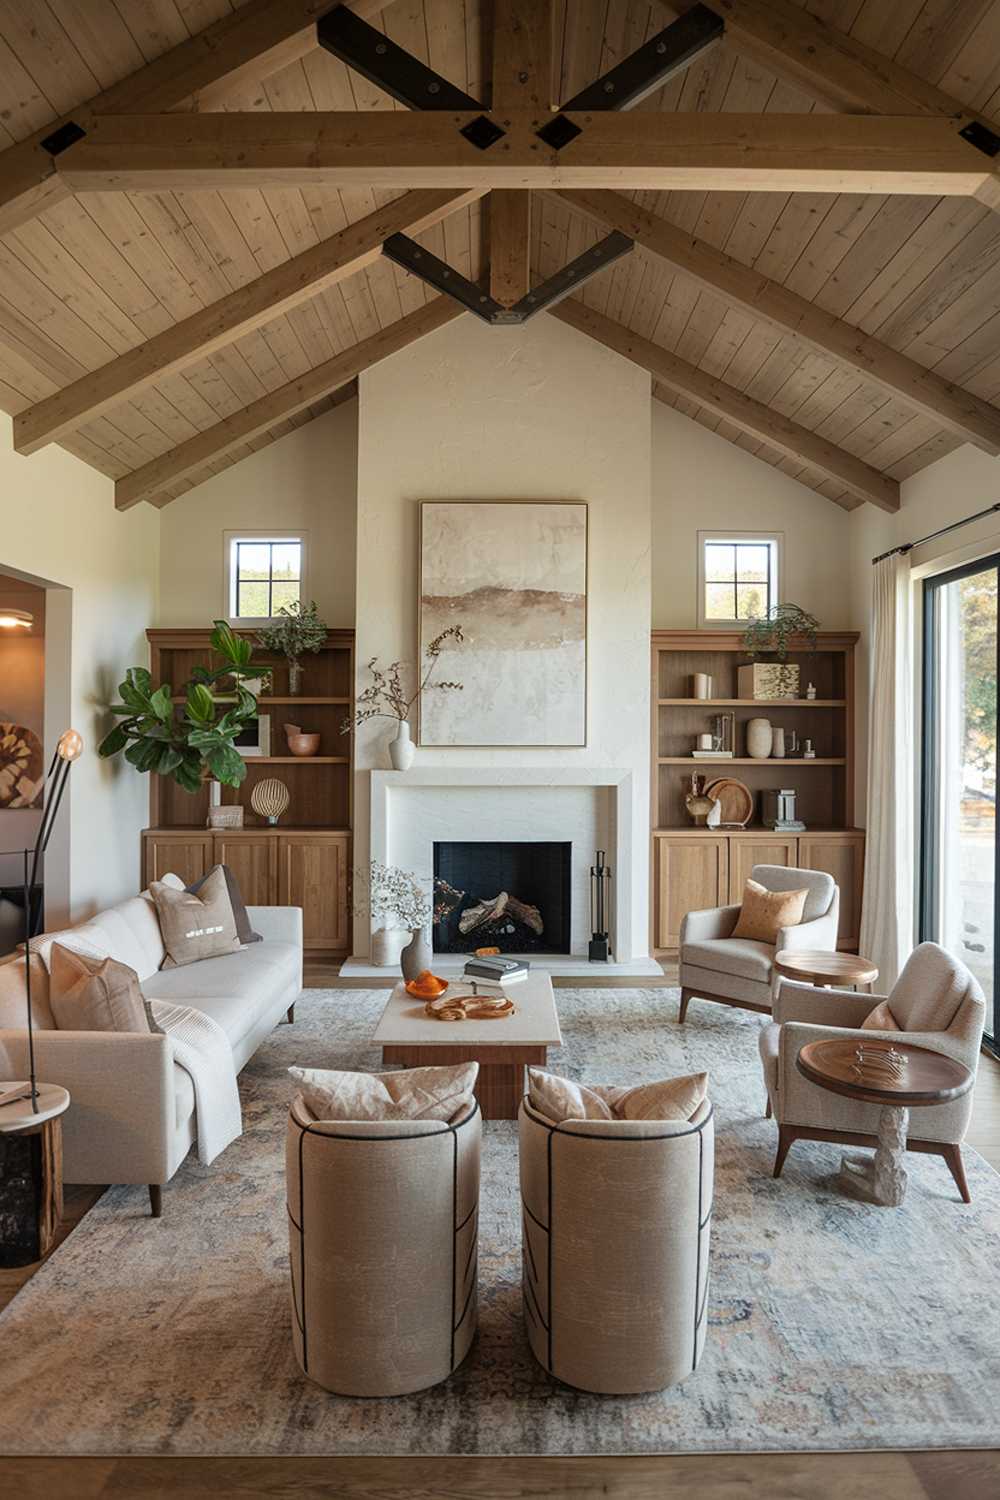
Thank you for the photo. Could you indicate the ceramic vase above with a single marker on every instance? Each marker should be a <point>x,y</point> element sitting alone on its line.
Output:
<point>387,946</point>
<point>401,749</point>
<point>416,956</point>
<point>759,739</point>
<point>778,743</point>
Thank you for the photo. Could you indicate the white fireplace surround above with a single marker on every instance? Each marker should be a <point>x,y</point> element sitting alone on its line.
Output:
<point>589,807</point>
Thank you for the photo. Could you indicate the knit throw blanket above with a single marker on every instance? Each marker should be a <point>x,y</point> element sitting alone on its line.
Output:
<point>201,1048</point>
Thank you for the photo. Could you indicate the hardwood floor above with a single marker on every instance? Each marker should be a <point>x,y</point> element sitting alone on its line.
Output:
<point>930,1475</point>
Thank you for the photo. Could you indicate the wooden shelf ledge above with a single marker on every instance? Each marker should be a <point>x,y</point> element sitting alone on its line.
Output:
<point>770,760</point>
<point>771,703</point>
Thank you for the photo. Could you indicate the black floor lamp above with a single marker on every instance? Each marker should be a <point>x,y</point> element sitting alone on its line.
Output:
<point>69,749</point>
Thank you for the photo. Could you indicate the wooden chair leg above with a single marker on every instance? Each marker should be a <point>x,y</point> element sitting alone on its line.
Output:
<point>786,1137</point>
<point>156,1200</point>
<point>290,1014</point>
<point>956,1166</point>
<point>685,1001</point>
<point>768,1111</point>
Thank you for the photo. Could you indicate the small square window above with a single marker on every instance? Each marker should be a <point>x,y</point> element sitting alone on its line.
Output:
<point>265,573</point>
<point>737,576</point>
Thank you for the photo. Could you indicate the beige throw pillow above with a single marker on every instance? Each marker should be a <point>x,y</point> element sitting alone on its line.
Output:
<point>195,926</point>
<point>94,994</point>
<point>412,1094</point>
<point>880,1019</point>
<point>561,1099</point>
<point>764,913</point>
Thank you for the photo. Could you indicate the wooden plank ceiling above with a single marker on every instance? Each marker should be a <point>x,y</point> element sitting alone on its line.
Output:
<point>93,277</point>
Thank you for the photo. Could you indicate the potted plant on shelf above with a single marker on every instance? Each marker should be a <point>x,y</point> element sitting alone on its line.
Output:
<point>385,697</point>
<point>768,639</point>
<point>398,902</point>
<point>298,629</point>
<point>196,744</point>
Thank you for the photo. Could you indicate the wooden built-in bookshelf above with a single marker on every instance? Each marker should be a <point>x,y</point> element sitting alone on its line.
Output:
<point>305,860</point>
<point>699,867</point>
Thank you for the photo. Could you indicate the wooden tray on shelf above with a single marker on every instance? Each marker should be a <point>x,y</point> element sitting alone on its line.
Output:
<point>735,799</point>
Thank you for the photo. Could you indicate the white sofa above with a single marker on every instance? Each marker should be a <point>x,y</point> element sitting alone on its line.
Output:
<point>132,1115</point>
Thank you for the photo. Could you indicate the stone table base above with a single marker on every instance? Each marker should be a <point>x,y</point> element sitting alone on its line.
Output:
<point>881,1178</point>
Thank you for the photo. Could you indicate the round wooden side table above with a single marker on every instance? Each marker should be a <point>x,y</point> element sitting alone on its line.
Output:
<point>826,970</point>
<point>31,1186</point>
<point>896,1075</point>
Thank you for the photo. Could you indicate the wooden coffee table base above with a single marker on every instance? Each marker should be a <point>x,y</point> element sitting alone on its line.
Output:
<point>881,1178</point>
<point>500,1085</point>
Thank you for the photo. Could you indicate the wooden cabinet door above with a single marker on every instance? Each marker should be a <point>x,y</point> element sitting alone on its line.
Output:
<point>253,859</point>
<point>187,855</point>
<point>841,855</point>
<point>764,848</point>
<point>691,873</point>
<point>312,873</point>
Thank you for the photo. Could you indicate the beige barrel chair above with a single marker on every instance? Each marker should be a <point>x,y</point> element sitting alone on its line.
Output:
<point>383,1235</point>
<point>615,1244</point>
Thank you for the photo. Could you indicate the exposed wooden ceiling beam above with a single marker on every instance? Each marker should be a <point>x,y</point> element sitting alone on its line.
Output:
<point>778,431</point>
<point>149,481</point>
<point>522,80</point>
<point>973,419</point>
<point>250,42</point>
<point>731,152</point>
<point>260,301</point>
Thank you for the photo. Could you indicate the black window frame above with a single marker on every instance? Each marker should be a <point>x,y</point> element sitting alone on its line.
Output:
<point>737,543</point>
<point>270,543</point>
<point>929,843</point>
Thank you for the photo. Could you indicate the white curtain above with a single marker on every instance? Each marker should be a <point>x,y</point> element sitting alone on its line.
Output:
<point>887,912</point>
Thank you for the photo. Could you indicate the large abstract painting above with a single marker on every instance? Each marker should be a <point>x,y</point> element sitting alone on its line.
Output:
<point>513,575</point>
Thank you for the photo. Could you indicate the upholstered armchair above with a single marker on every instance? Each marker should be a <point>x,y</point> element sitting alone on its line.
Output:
<point>615,1247</point>
<point>383,1232</point>
<point>736,971</point>
<point>936,1003</point>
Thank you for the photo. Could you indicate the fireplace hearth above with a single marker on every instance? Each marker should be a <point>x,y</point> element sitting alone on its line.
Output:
<point>511,896</point>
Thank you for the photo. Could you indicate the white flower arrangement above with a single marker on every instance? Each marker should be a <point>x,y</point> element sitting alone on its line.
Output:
<point>397,897</point>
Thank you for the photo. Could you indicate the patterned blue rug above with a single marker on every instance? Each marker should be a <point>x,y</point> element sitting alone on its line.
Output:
<point>832,1324</point>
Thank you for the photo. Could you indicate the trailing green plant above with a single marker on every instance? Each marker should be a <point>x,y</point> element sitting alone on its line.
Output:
<point>195,743</point>
<point>299,629</point>
<point>772,634</point>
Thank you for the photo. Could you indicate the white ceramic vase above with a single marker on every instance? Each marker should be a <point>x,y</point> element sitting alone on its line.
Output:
<point>778,743</point>
<point>759,739</point>
<point>387,946</point>
<point>416,956</point>
<point>401,750</point>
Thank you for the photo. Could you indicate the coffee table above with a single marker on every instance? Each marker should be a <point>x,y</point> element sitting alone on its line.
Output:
<point>928,1078</point>
<point>825,970</point>
<point>407,1035</point>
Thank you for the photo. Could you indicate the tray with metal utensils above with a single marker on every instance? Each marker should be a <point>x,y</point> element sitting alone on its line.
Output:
<point>878,1063</point>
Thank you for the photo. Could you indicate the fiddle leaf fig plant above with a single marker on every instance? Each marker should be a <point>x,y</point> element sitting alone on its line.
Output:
<point>193,741</point>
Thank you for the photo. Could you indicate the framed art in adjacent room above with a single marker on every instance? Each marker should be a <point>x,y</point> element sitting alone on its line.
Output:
<point>513,575</point>
<point>254,739</point>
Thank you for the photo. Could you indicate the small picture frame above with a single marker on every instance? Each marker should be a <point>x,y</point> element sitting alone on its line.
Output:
<point>254,739</point>
<point>225,817</point>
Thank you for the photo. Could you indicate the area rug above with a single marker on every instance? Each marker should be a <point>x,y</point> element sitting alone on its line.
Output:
<point>833,1324</point>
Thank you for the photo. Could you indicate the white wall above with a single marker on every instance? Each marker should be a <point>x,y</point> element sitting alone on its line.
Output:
<point>61,528</point>
<point>704,482</point>
<point>539,412</point>
<point>306,479</point>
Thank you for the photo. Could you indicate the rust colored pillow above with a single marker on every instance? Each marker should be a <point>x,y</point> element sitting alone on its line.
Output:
<point>880,1019</point>
<point>764,913</point>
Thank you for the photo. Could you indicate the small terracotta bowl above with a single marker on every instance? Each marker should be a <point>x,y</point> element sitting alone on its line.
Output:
<point>427,986</point>
<point>303,744</point>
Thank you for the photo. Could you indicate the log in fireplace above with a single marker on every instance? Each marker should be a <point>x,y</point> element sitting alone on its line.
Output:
<point>511,896</point>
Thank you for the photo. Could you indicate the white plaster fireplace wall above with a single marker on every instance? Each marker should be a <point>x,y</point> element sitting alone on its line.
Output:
<point>535,413</point>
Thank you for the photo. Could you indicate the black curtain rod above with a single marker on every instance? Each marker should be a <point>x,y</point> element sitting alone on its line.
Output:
<point>933,535</point>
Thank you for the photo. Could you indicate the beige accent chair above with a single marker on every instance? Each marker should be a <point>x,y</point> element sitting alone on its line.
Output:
<point>937,1003</point>
<point>615,1244</point>
<point>736,971</point>
<point>383,1237</point>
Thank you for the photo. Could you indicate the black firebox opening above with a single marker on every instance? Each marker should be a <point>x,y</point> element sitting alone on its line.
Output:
<point>511,896</point>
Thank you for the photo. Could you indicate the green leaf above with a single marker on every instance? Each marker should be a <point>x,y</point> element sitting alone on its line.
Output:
<point>170,758</point>
<point>161,704</point>
<point>200,704</point>
<point>141,679</point>
<point>143,754</point>
<point>205,739</point>
<point>188,773</point>
<point>116,740</point>
<point>227,766</point>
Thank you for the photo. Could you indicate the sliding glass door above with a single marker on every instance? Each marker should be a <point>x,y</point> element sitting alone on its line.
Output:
<point>959,856</point>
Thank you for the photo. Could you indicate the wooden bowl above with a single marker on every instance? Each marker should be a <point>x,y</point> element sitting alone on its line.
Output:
<point>303,744</point>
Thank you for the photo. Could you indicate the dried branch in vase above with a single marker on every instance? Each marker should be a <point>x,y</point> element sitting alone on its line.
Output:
<point>385,696</point>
